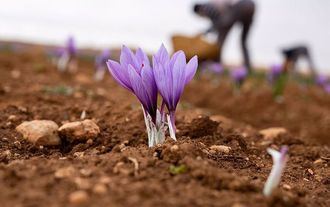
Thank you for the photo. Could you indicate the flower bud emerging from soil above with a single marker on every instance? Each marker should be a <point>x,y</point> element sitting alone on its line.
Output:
<point>100,64</point>
<point>168,77</point>
<point>279,161</point>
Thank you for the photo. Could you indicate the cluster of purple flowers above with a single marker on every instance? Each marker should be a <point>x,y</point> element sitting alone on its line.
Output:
<point>324,82</point>
<point>166,76</point>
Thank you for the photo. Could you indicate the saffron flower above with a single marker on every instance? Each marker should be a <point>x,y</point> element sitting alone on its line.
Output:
<point>239,75</point>
<point>136,75</point>
<point>279,162</point>
<point>100,64</point>
<point>213,67</point>
<point>67,59</point>
<point>171,75</point>
<point>327,88</point>
<point>274,73</point>
<point>321,80</point>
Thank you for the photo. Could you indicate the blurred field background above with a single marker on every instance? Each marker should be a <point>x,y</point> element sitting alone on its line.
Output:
<point>148,23</point>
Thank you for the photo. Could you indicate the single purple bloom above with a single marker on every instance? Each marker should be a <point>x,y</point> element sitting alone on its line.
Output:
<point>275,72</point>
<point>327,88</point>
<point>171,76</point>
<point>239,75</point>
<point>101,59</point>
<point>321,80</point>
<point>71,46</point>
<point>135,74</point>
<point>213,67</point>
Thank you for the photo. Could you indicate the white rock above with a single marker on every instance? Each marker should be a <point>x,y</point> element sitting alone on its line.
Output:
<point>79,130</point>
<point>40,132</point>
<point>220,148</point>
<point>272,133</point>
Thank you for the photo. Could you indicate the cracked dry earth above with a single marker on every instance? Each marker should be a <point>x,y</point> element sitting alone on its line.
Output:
<point>118,169</point>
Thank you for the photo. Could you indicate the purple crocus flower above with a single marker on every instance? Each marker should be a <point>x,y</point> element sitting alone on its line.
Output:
<point>239,75</point>
<point>327,88</point>
<point>71,46</point>
<point>100,64</point>
<point>135,74</point>
<point>171,76</point>
<point>275,72</point>
<point>213,67</point>
<point>279,161</point>
<point>321,80</point>
<point>68,57</point>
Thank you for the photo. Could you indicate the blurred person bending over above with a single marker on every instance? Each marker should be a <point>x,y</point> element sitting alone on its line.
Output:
<point>224,14</point>
<point>293,54</point>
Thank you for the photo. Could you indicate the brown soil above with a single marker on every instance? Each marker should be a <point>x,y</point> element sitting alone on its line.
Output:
<point>118,169</point>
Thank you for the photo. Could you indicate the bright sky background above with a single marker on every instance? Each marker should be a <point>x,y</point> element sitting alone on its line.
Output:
<point>148,23</point>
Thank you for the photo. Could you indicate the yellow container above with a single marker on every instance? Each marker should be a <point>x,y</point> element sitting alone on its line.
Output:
<point>196,45</point>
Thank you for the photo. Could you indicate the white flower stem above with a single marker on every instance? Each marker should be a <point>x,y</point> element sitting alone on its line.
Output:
<point>156,131</point>
<point>279,162</point>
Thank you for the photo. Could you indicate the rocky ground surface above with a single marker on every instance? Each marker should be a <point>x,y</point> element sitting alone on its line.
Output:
<point>88,146</point>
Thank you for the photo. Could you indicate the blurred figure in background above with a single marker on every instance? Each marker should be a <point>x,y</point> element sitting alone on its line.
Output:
<point>224,14</point>
<point>293,54</point>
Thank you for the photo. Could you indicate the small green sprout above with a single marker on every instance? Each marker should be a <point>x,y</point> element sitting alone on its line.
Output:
<point>176,170</point>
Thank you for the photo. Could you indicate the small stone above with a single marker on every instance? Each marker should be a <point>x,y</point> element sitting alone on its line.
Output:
<point>78,154</point>
<point>174,148</point>
<point>287,187</point>
<point>221,148</point>
<point>318,161</point>
<point>86,172</point>
<point>272,133</point>
<point>79,130</point>
<point>105,180</point>
<point>12,118</point>
<point>82,183</point>
<point>15,74</point>
<point>65,172</point>
<point>310,171</point>
<point>40,132</point>
<point>78,197</point>
<point>100,189</point>
<point>89,142</point>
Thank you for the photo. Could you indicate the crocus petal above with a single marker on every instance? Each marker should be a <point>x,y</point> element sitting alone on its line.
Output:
<point>119,74</point>
<point>162,55</point>
<point>179,79</point>
<point>127,57</point>
<point>150,87</point>
<point>279,162</point>
<point>164,82</point>
<point>141,57</point>
<point>191,69</point>
<point>139,89</point>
